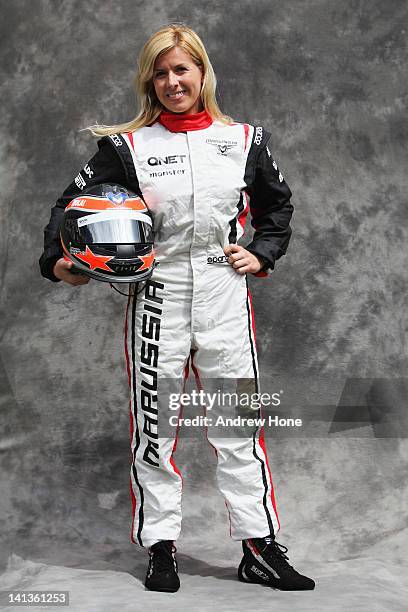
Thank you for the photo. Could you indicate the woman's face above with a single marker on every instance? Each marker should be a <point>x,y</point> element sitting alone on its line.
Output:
<point>177,82</point>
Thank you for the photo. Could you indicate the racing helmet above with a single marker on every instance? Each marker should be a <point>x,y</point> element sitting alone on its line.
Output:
<point>107,232</point>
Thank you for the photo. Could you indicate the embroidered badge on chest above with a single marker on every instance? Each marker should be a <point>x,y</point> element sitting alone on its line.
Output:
<point>223,147</point>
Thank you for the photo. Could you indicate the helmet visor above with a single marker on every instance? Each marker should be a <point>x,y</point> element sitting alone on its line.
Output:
<point>115,226</point>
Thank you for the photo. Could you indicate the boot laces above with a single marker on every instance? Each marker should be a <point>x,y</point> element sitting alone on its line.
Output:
<point>277,553</point>
<point>162,557</point>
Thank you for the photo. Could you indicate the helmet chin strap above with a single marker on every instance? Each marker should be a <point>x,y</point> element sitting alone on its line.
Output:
<point>136,291</point>
<point>136,284</point>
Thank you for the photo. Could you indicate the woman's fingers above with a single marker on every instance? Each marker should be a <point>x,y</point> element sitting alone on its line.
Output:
<point>62,271</point>
<point>242,260</point>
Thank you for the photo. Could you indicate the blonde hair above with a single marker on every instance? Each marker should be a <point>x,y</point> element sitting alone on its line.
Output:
<point>173,35</point>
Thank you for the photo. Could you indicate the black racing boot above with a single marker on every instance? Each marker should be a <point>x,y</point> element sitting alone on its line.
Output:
<point>162,571</point>
<point>265,562</point>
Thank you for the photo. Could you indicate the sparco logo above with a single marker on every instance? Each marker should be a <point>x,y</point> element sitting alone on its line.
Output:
<point>116,140</point>
<point>258,135</point>
<point>149,354</point>
<point>259,573</point>
<point>223,146</point>
<point>219,259</point>
<point>169,159</point>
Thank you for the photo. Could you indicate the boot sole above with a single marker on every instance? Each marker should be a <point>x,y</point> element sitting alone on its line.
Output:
<point>162,590</point>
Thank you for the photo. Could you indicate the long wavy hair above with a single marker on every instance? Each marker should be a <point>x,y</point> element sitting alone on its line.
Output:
<point>173,35</point>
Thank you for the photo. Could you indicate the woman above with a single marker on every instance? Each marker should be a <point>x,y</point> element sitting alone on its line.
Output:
<point>196,170</point>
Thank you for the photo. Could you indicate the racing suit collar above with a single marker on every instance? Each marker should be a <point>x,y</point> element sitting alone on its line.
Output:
<point>178,122</point>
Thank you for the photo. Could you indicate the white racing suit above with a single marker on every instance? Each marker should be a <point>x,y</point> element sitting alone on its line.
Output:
<point>195,309</point>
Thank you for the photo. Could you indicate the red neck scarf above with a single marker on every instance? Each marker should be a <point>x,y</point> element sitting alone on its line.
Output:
<point>178,122</point>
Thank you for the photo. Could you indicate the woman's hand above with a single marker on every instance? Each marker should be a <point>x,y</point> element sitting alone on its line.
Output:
<point>242,260</point>
<point>62,271</point>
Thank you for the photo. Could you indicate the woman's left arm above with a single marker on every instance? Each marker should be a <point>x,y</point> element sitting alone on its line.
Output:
<point>271,211</point>
<point>270,205</point>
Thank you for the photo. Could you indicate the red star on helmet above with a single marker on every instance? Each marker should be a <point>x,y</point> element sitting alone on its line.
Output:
<point>94,261</point>
<point>147,261</point>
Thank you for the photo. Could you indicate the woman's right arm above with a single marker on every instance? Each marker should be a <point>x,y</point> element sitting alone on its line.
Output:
<point>104,167</point>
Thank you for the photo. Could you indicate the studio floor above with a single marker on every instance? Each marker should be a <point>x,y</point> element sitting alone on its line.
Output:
<point>208,583</point>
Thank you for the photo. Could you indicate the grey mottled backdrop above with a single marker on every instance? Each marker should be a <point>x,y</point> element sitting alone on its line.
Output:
<point>328,79</point>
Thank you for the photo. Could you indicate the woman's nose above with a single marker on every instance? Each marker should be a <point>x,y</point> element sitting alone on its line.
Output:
<point>172,79</point>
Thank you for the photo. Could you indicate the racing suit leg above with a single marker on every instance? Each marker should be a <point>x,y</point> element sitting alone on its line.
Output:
<point>158,347</point>
<point>226,350</point>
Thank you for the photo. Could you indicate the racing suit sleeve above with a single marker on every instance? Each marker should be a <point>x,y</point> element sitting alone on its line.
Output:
<point>270,206</point>
<point>104,167</point>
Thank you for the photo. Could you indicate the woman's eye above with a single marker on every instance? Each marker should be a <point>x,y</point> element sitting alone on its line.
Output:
<point>161,74</point>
